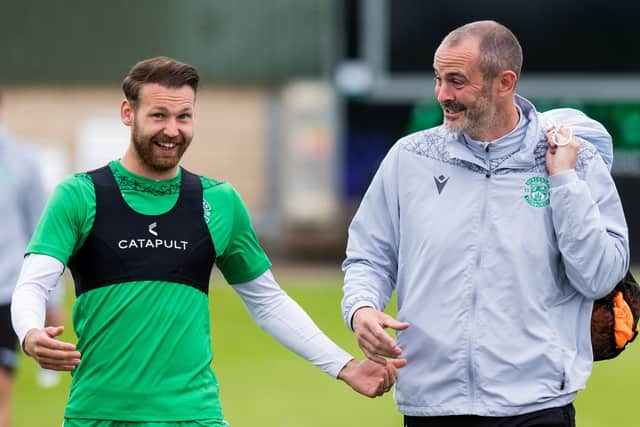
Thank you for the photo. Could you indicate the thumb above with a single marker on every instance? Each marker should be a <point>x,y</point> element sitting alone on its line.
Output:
<point>398,363</point>
<point>54,331</point>
<point>390,322</point>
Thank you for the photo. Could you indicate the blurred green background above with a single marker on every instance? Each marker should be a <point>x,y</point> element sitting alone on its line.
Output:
<point>263,384</point>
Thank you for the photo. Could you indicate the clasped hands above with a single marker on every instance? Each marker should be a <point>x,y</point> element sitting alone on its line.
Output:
<point>380,371</point>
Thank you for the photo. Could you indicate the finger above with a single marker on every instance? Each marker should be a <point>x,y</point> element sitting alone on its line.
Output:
<point>564,132</point>
<point>398,363</point>
<point>393,372</point>
<point>394,324</point>
<point>44,352</point>
<point>386,381</point>
<point>58,366</point>
<point>54,344</point>
<point>369,351</point>
<point>59,361</point>
<point>54,331</point>
<point>381,344</point>
<point>390,376</point>
<point>65,368</point>
<point>550,134</point>
<point>374,357</point>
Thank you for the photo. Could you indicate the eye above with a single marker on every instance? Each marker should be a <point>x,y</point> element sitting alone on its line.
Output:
<point>157,115</point>
<point>457,83</point>
<point>184,116</point>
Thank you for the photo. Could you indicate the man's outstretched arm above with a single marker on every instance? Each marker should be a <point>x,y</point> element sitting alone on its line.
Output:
<point>280,316</point>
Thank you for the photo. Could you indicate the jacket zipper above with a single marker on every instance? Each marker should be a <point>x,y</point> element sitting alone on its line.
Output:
<point>483,215</point>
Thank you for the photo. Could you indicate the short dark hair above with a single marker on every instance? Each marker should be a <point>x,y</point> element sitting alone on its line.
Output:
<point>499,47</point>
<point>162,70</point>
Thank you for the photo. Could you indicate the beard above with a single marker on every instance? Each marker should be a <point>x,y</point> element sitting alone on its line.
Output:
<point>478,116</point>
<point>152,155</point>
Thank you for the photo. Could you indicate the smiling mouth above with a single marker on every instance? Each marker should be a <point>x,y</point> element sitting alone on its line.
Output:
<point>452,109</point>
<point>166,145</point>
<point>448,112</point>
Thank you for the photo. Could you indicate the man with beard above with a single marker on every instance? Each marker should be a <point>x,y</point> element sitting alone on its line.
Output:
<point>498,230</point>
<point>140,237</point>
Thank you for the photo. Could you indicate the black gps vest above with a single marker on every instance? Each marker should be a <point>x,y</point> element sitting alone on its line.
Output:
<point>126,246</point>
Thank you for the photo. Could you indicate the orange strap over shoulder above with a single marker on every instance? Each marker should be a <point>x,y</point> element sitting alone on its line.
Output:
<point>623,322</point>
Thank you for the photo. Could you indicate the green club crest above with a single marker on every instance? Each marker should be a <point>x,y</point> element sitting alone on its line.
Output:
<point>536,191</point>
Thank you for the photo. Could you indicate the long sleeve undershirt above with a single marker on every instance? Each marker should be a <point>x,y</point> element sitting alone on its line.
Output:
<point>268,305</point>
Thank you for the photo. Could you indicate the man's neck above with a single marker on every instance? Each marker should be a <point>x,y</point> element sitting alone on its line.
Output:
<point>504,122</point>
<point>132,163</point>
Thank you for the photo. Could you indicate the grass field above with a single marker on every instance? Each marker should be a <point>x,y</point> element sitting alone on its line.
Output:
<point>263,384</point>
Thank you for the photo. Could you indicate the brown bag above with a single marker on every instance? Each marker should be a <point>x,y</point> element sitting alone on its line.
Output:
<point>603,319</point>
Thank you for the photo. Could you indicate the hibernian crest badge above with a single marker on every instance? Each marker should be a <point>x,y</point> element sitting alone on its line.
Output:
<point>536,191</point>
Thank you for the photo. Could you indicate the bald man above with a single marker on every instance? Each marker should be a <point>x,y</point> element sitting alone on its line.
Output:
<point>498,230</point>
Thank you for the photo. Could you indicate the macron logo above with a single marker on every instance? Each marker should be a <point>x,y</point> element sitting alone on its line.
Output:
<point>152,228</point>
<point>440,181</point>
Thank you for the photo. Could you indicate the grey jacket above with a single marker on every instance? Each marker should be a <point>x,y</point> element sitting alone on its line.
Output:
<point>496,266</point>
<point>23,197</point>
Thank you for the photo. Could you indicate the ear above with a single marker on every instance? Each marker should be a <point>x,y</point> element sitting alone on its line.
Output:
<point>127,113</point>
<point>507,82</point>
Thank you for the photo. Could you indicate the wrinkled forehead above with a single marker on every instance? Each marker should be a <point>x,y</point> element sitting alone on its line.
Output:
<point>460,56</point>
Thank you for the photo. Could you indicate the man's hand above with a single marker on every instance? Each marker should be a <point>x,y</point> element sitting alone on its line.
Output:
<point>50,353</point>
<point>370,378</point>
<point>561,157</point>
<point>376,344</point>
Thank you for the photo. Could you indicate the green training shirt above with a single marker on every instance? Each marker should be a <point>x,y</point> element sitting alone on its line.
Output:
<point>146,346</point>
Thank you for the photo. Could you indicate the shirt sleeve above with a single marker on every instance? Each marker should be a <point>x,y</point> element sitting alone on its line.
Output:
<point>371,264</point>
<point>282,318</point>
<point>239,255</point>
<point>66,220</point>
<point>39,277</point>
<point>590,227</point>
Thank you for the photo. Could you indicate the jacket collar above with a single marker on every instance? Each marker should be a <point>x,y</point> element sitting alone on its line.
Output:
<point>458,145</point>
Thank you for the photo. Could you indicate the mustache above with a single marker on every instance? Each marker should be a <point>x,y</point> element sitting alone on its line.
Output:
<point>453,106</point>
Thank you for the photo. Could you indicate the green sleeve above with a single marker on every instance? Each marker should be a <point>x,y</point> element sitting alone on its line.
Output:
<point>66,220</point>
<point>239,255</point>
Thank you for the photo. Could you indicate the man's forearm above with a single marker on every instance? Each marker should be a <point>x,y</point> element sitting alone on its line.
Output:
<point>39,275</point>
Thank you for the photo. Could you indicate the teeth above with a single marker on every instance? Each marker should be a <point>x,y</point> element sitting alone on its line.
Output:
<point>165,145</point>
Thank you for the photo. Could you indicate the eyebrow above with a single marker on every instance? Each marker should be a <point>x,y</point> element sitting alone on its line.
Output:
<point>165,109</point>
<point>460,75</point>
<point>451,74</point>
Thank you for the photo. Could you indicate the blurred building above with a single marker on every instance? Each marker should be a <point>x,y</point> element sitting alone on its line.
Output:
<point>301,99</point>
<point>576,54</point>
<point>265,115</point>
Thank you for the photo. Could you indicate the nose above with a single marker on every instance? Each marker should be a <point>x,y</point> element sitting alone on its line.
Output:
<point>443,93</point>
<point>171,128</point>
